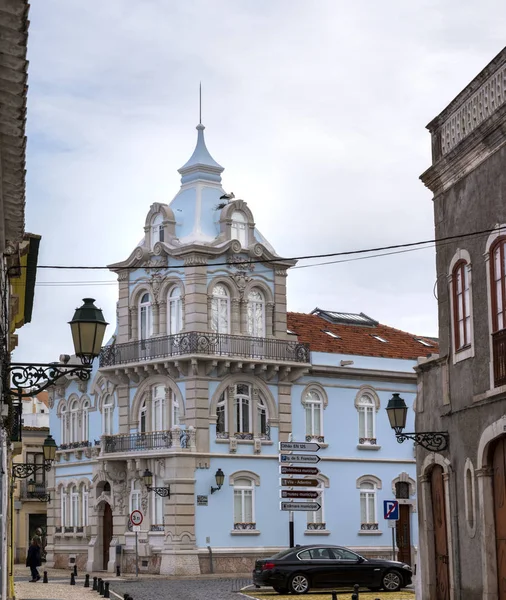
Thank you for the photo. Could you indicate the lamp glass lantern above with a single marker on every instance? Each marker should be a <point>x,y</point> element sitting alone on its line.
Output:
<point>397,411</point>
<point>88,330</point>
<point>220,478</point>
<point>49,449</point>
<point>31,486</point>
<point>147,477</point>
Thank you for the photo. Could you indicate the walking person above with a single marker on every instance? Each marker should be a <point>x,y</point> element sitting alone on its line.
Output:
<point>33,560</point>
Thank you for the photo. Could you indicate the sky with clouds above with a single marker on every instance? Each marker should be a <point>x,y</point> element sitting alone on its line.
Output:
<point>316,109</point>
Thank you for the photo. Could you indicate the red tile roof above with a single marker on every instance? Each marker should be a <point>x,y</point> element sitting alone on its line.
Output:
<point>359,340</point>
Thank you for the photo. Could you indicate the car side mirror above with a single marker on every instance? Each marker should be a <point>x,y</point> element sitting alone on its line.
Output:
<point>360,559</point>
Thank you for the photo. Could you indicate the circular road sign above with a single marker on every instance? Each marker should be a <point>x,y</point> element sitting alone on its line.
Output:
<point>136,517</point>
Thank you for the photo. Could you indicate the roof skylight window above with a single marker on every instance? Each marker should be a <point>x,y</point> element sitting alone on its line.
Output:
<point>333,335</point>
<point>380,339</point>
<point>424,342</point>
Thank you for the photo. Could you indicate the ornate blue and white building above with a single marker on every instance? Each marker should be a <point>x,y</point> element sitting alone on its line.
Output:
<point>207,371</point>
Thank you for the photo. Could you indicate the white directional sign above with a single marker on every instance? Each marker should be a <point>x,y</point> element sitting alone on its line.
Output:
<point>299,458</point>
<point>299,447</point>
<point>300,506</point>
<point>285,470</point>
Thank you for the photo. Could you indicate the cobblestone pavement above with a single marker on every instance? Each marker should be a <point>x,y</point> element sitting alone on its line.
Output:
<point>181,589</point>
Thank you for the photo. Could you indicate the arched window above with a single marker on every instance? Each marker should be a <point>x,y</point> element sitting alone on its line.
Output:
<point>239,228</point>
<point>74,422</point>
<point>64,423</point>
<point>368,518</point>
<point>316,520</point>
<point>158,409</point>
<point>74,507</point>
<point>366,420</point>
<point>461,305</point>
<point>220,310</point>
<point>244,506</point>
<point>135,495</point>
<point>263,418</point>
<point>107,415</point>
<point>64,515</point>
<point>313,403</point>
<point>157,229</point>
<point>143,415</point>
<point>221,418</point>
<point>175,409</point>
<point>498,277</point>
<point>145,317</point>
<point>175,316</point>
<point>242,409</point>
<point>85,505</point>
<point>86,421</point>
<point>256,313</point>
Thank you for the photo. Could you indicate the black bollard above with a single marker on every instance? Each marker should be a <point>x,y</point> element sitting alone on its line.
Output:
<point>106,590</point>
<point>334,595</point>
<point>100,586</point>
<point>75,570</point>
<point>118,571</point>
<point>125,596</point>
<point>86,580</point>
<point>45,580</point>
<point>95,584</point>
<point>72,579</point>
<point>354,597</point>
<point>356,588</point>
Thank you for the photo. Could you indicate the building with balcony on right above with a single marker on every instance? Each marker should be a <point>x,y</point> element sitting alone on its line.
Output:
<point>461,490</point>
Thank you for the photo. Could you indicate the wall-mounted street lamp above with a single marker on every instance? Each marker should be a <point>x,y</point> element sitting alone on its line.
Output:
<point>220,478</point>
<point>33,492</point>
<point>25,470</point>
<point>147,477</point>
<point>397,411</point>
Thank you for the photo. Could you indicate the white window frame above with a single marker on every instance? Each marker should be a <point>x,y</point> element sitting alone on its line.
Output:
<point>240,490</point>
<point>242,409</point>
<point>466,352</point>
<point>220,305</point>
<point>143,416</point>
<point>145,317</point>
<point>156,229</point>
<point>85,506</point>
<point>239,228</point>
<point>64,423</point>
<point>368,486</point>
<point>312,400</point>
<point>74,507</point>
<point>85,428</point>
<point>108,416</point>
<point>134,499</point>
<point>64,508</point>
<point>223,405</point>
<point>158,408</point>
<point>256,313</point>
<point>74,421</point>
<point>262,410</point>
<point>366,419</point>
<point>175,409</point>
<point>175,311</point>
<point>318,517</point>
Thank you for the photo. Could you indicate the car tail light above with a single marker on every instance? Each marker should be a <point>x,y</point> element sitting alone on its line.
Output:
<point>268,565</point>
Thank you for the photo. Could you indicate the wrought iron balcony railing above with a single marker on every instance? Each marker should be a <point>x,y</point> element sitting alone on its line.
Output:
<point>499,352</point>
<point>40,488</point>
<point>213,344</point>
<point>154,440</point>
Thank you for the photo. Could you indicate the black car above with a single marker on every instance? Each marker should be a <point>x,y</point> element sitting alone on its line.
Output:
<point>298,569</point>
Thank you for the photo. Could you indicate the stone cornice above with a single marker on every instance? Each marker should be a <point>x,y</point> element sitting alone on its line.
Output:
<point>358,373</point>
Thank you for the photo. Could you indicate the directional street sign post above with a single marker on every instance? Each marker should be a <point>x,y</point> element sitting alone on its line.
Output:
<point>136,518</point>
<point>307,494</point>
<point>299,447</point>
<point>289,465</point>
<point>391,514</point>
<point>300,506</point>
<point>299,458</point>
<point>284,470</point>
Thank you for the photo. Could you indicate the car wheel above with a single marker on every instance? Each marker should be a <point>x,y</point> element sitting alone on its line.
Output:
<point>280,590</point>
<point>392,581</point>
<point>299,584</point>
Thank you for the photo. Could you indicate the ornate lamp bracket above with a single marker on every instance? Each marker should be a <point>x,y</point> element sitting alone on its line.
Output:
<point>161,491</point>
<point>433,441</point>
<point>30,379</point>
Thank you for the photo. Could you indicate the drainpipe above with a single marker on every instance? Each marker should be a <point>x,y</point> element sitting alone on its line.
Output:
<point>211,565</point>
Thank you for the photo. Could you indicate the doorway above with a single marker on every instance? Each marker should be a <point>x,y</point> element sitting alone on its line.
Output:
<point>403,534</point>
<point>499,485</point>
<point>106,534</point>
<point>441,556</point>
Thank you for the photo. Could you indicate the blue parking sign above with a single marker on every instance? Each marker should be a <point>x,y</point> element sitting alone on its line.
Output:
<point>391,510</point>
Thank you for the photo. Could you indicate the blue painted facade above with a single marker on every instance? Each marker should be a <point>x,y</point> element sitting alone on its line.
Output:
<point>203,374</point>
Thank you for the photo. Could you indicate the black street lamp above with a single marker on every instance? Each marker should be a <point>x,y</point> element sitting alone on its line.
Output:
<point>147,477</point>
<point>220,478</point>
<point>25,470</point>
<point>397,411</point>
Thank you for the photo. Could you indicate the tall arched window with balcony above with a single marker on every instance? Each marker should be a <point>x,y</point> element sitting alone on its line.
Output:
<point>64,423</point>
<point>498,267</point>
<point>263,418</point>
<point>74,507</point>
<point>175,409</point>
<point>366,419</point>
<point>244,505</point>
<point>256,313</point>
<point>86,421</point>
<point>84,505</point>
<point>221,417</point>
<point>242,410</point>
<point>143,415</point>
<point>461,306</point>
<point>313,404</point>
<point>158,410</point>
<point>175,316</point>
<point>145,317</point>
<point>239,228</point>
<point>74,422</point>
<point>107,415</point>
<point>220,309</point>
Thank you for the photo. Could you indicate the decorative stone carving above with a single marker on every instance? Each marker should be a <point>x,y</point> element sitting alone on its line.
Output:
<point>156,283</point>
<point>241,280</point>
<point>104,497</point>
<point>144,501</point>
<point>51,399</point>
<point>82,386</point>
<point>240,263</point>
<point>87,452</point>
<point>123,275</point>
<point>258,250</point>
<point>281,272</point>
<point>60,391</point>
<point>195,260</point>
<point>232,445</point>
<point>119,491</point>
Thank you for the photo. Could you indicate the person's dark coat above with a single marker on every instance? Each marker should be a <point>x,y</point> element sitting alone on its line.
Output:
<point>33,557</point>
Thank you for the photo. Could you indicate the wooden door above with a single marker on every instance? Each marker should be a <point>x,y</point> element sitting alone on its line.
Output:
<point>440,534</point>
<point>499,464</point>
<point>403,534</point>
<point>106,534</point>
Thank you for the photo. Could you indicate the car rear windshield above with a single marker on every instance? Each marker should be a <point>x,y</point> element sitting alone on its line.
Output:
<point>283,553</point>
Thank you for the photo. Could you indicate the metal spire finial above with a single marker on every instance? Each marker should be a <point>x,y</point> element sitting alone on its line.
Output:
<point>200,103</point>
